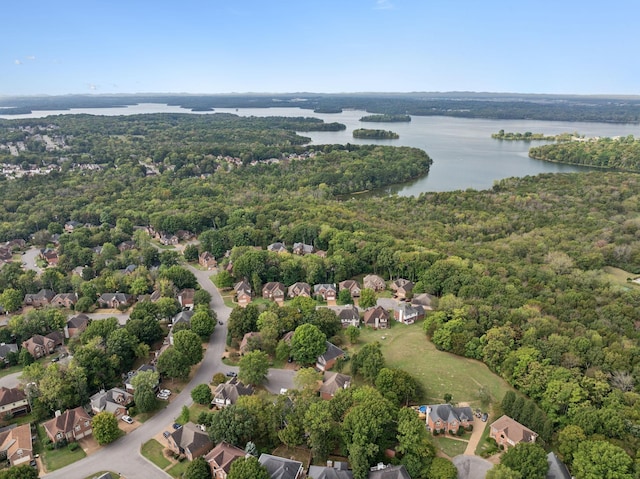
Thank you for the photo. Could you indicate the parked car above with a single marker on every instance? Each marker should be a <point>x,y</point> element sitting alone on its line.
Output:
<point>176,426</point>
<point>55,360</point>
<point>166,392</point>
<point>164,397</point>
<point>127,419</point>
<point>231,374</point>
<point>166,434</point>
<point>485,416</point>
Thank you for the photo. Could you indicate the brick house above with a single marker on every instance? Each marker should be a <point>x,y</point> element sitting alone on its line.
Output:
<point>376,318</point>
<point>16,444</point>
<point>207,260</point>
<point>332,383</point>
<point>349,315</point>
<point>445,417</point>
<point>13,401</point>
<point>41,298</point>
<point>243,293</point>
<point>353,287</point>
<point>39,346</point>
<point>186,297</point>
<point>300,289</point>
<point>76,325</point>
<point>65,300</point>
<point>326,291</point>
<point>508,432</point>
<point>115,401</point>
<point>275,292</point>
<point>402,287</point>
<point>73,424</point>
<point>221,457</point>
<point>115,300</point>
<point>189,440</point>
<point>374,282</point>
<point>327,360</point>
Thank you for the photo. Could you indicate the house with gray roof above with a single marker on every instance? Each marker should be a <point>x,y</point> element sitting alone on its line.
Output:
<point>228,393</point>
<point>445,417</point>
<point>329,358</point>
<point>382,471</point>
<point>333,470</point>
<point>190,440</point>
<point>115,401</point>
<point>281,468</point>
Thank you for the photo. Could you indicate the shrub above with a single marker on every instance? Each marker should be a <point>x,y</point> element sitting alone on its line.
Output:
<point>50,447</point>
<point>470,427</point>
<point>72,446</point>
<point>460,431</point>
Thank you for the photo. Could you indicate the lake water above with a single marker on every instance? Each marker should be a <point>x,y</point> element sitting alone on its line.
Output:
<point>463,152</point>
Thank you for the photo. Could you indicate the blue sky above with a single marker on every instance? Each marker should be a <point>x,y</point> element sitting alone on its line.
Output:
<point>215,46</point>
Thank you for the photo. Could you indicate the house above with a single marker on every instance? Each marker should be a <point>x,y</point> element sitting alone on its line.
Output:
<point>207,260</point>
<point>129,269</point>
<point>332,383</point>
<point>326,291</point>
<point>277,248</point>
<point>445,417</point>
<point>73,424</point>
<point>302,249</point>
<point>228,393</point>
<point>69,226</point>
<point>247,340</point>
<point>407,313</point>
<point>64,300</point>
<point>5,254</point>
<point>333,470</point>
<point>349,315</point>
<point>41,298</point>
<point>376,318</point>
<point>221,457</point>
<point>39,346</point>
<point>382,471</point>
<point>50,256</point>
<point>13,401</point>
<point>185,235</point>
<point>300,289</point>
<point>374,282</point>
<point>353,287</point>
<point>18,243</point>
<point>115,401</point>
<point>6,349</point>
<point>557,469</point>
<point>167,239</point>
<point>145,367</point>
<point>16,444</point>
<point>127,246</point>
<point>189,440</point>
<point>281,468</point>
<point>329,358</point>
<point>274,291</point>
<point>403,288</point>
<point>186,298</point>
<point>182,317</point>
<point>115,300</point>
<point>425,300</point>
<point>243,292</point>
<point>509,432</point>
<point>76,325</point>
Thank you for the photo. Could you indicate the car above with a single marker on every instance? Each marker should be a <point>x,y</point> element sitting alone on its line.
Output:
<point>220,323</point>
<point>33,463</point>
<point>166,434</point>
<point>164,397</point>
<point>127,419</point>
<point>176,426</point>
<point>166,392</point>
<point>231,374</point>
<point>485,416</point>
<point>55,360</point>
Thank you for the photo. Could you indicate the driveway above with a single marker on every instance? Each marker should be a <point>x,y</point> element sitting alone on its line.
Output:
<point>471,467</point>
<point>29,260</point>
<point>10,380</point>
<point>121,317</point>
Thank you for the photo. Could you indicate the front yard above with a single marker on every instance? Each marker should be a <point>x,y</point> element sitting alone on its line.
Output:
<point>152,450</point>
<point>451,447</point>
<point>56,458</point>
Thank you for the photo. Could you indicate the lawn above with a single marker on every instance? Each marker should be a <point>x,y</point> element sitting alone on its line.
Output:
<point>152,450</point>
<point>451,447</point>
<point>56,458</point>
<point>485,447</point>
<point>406,347</point>
<point>178,469</point>
<point>620,277</point>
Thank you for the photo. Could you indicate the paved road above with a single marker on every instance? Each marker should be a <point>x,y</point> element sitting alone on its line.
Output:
<point>29,260</point>
<point>10,380</point>
<point>121,317</point>
<point>123,456</point>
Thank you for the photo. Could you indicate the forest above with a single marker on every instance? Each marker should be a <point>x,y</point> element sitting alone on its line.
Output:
<point>608,153</point>
<point>528,136</point>
<point>519,270</point>
<point>457,104</point>
<point>386,118</point>
<point>375,134</point>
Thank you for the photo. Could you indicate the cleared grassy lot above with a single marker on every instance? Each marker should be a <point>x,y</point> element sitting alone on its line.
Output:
<point>152,450</point>
<point>406,347</point>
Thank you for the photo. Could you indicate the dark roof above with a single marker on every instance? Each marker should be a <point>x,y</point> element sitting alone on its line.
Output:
<point>390,472</point>
<point>7,348</point>
<point>321,472</point>
<point>557,469</point>
<point>78,321</point>
<point>190,437</point>
<point>279,467</point>
<point>224,454</point>
<point>11,395</point>
<point>332,352</point>
<point>448,413</point>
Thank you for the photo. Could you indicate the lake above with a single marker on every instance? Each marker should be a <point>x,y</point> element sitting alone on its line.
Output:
<point>463,152</point>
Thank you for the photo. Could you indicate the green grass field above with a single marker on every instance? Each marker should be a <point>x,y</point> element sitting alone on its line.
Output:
<point>178,469</point>
<point>406,347</point>
<point>451,447</point>
<point>152,450</point>
<point>619,276</point>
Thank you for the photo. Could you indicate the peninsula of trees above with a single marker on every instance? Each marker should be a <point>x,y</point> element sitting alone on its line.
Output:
<point>386,118</point>
<point>609,153</point>
<point>528,136</point>
<point>375,134</point>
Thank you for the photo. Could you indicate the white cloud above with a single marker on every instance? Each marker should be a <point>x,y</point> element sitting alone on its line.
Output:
<point>31,57</point>
<point>17,62</point>
<point>92,86</point>
<point>384,5</point>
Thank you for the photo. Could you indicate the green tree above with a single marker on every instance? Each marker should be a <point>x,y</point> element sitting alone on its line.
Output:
<point>247,468</point>
<point>105,428</point>
<point>321,430</point>
<point>184,415</point>
<point>191,253</point>
<point>353,333</point>
<point>344,297</point>
<point>307,379</point>
<point>500,471</point>
<point>529,459</point>
<point>397,386</point>
<point>326,320</point>
<point>368,298</point>
<point>569,439</point>
<point>601,460</point>
<point>25,358</point>
<point>146,330</point>
<point>24,471</point>
<point>182,278</point>
<point>11,299</point>
<point>190,345</point>
<point>173,364</point>
<point>234,424</point>
<point>307,343</point>
<point>145,383</point>
<point>122,344</point>
<point>198,469</point>
<point>202,297</point>
<point>254,367</point>
<point>167,308</point>
<point>201,394</point>
<point>417,452</point>
<point>368,361</point>
<point>442,468</point>
<point>202,323</point>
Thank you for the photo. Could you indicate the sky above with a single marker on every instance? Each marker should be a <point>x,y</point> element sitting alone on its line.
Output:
<point>325,46</point>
